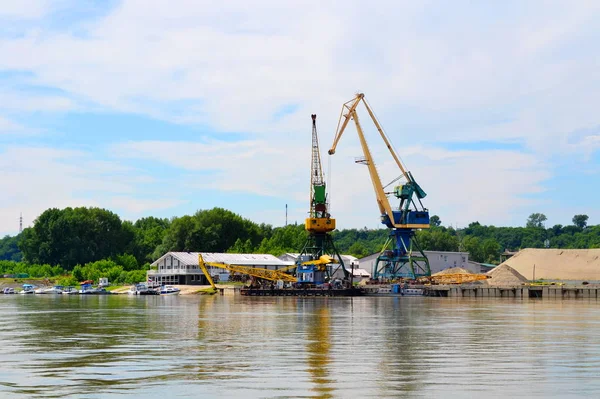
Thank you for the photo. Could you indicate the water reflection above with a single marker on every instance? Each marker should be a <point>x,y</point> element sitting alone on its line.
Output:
<point>238,347</point>
<point>318,345</point>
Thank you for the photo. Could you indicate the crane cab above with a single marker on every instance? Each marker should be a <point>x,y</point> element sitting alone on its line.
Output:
<point>319,225</point>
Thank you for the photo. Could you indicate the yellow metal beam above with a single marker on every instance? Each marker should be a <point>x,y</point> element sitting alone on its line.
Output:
<point>272,275</point>
<point>205,271</point>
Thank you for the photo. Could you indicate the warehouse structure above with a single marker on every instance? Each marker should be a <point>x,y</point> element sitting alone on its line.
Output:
<point>438,261</point>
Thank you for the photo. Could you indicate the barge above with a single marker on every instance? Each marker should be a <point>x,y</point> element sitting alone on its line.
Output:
<point>304,292</point>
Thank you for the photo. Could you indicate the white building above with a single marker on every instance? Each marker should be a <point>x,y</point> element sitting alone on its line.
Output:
<point>438,261</point>
<point>181,268</point>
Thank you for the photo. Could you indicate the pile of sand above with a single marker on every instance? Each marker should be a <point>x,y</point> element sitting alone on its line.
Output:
<point>452,270</point>
<point>557,264</point>
<point>505,275</point>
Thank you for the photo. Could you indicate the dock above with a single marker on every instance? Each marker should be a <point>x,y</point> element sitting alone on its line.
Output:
<point>522,291</point>
<point>309,292</point>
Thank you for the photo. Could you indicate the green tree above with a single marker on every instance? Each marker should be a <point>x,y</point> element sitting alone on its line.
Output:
<point>490,251</point>
<point>74,236</point>
<point>127,262</point>
<point>536,220</point>
<point>9,248</point>
<point>435,240</point>
<point>214,230</point>
<point>473,246</point>
<point>149,233</point>
<point>580,221</point>
<point>435,221</point>
<point>358,249</point>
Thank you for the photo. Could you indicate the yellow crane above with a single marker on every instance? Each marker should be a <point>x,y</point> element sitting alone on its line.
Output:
<point>318,225</point>
<point>403,221</point>
<point>266,274</point>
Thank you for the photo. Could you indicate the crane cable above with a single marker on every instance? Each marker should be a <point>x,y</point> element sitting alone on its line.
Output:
<point>388,138</point>
<point>329,191</point>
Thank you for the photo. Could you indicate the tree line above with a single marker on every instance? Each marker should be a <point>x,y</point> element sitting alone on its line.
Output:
<point>75,240</point>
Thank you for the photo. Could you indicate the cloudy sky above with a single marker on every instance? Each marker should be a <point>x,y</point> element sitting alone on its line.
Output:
<point>150,107</point>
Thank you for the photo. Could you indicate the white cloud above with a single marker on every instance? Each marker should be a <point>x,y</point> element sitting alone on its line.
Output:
<point>7,126</point>
<point>137,206</point>
<point>36,178</point>
<point>24,9</point>
<point>236,66</point>
<point>463,186</point>
<point>233,67</point>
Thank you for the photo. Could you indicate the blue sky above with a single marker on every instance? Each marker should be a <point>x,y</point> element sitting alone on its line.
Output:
<point>162,108</point>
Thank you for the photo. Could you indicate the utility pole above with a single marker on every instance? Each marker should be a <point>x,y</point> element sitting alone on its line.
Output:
<point>21,223</point>
<point>286,214</point>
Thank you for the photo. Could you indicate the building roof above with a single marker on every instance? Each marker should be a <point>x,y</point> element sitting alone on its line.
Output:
<point>191,258</point>
<point>360,273</point>
<point>428,253</point>
<point>345,258</point>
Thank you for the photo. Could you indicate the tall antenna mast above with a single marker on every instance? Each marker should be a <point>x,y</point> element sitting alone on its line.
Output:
<point>318,199</point>
<point>286,214</point>
<point>21,223</point>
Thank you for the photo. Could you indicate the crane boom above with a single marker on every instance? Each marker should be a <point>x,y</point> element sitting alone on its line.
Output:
<point>272,275</point>
<point>403,218</point>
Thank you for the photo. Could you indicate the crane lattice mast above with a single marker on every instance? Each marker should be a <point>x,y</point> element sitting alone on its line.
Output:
<point>319,225</point>
<point>318,200</point>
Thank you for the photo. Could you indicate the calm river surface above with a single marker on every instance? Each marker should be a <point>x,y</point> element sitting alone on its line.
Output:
<point>237,347</point>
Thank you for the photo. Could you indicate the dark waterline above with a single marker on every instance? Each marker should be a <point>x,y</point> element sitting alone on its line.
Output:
<point>238,347</point>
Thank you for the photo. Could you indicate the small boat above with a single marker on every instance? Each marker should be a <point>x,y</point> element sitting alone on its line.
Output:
<point>137,289</point>
<point>27,289</point>
<point>8,291</point>
<point>142,289</point>
<point>86,289</point>
<point>57,289</point>
<point>169,290</point>
<point>70,291</point>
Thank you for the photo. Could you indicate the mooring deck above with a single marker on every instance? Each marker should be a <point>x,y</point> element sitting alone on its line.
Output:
<point>300,292</point>
<point>524,291</point>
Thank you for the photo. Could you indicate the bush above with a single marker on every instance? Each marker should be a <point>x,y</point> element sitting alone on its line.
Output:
<point>67,281</point>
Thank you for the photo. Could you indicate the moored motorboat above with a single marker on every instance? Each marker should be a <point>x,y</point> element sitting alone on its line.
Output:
<point>142,289</point>
<point>27,289</point>
<point>57,289</point>
<point>8,290</point>
<point>86,289</point>
<point>70,291</point>
<point>169,290</point>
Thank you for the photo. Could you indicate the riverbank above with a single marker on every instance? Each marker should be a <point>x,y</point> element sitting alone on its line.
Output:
<point>184,289</point>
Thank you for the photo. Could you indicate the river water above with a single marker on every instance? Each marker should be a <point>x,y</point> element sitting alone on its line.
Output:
<point>238,347</point>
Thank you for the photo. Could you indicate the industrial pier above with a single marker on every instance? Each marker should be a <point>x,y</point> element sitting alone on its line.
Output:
<point>524,291</point>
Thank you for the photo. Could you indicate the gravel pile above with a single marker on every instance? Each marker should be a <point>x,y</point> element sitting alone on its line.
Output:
<point>505,275</point>
<point>452,270</point>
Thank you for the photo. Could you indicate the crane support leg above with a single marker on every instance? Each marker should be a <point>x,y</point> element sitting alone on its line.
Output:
<point>406,260</point>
